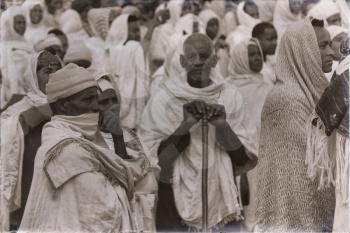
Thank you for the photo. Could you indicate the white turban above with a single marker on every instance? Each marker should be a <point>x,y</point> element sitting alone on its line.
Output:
<point>49,41</point>
<point>76,52</point>
<point>324,9</point>
<point>335,30</point>
<point>68,81</point>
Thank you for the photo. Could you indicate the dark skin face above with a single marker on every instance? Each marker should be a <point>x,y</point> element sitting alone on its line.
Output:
<point>198,60</point>
<point>19,24</point>
<point>324,44</point>
<point>295,6</point>
<point>54,5</point>
<point>268,41</point>
<point>47,64</point>
<point>252,10</point>
<point>134,31</point>
<point>334,20</point>
<point>212,29</point>
<point>36,14</point>
<point>255,58</point>
<point>83,102</point>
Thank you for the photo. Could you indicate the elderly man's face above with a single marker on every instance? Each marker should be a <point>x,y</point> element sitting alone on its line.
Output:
<point>82,102</point>
<point>198,60</point>
<point>47,64</point>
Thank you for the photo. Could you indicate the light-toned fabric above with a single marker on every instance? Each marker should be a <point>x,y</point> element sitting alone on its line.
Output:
<point>323,10</point>
<point>70,23</point>
<point>160,40</point>
<point>48,41</point>
<point>34,32</point>
<point>230,22</point>
<point>14,57</point>
<point>287,199</point>
<point>12,146</point>
<point>184,25</point>
<point>344,13</point>
<point>99,20</point>
<point>76,52</point>
<point>266,10</point>
<point>244,29</point>
<point>335,30</point>
<point>127,62</point>
<point>283,17</point>
<point>93,186</point>
<point>162,116</point>
<point>206,15</point>
<point>218,7</point>
<point>67,81</point>
<point>269,69</point>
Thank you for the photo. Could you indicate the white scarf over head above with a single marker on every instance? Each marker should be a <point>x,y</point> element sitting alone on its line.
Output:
<point>70,23</point>
<point>206,15</point>
<point>8,32</point>
<point>323,10</point>
<point>250,84</point>
<point>283,17</point>
<point>12,145</point>
<point>34,32</point>
<point>184,25</point>
<point>244,29</point>
<point>127,62</point>
<point>163,115</point>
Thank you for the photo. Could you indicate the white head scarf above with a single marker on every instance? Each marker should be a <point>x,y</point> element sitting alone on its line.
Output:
<point>8,32</point>
<point>50,40</point>
<point>245,19</point>
<point>335,30</point>
<point>118,33</point>
<point>283,17</point>
<point>206,15</point>
<point>323,10</point>
<point>34,32</point>
<point>184,25</point>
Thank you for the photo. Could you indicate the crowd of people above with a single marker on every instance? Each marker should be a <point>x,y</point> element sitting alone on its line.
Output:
<point>175,116</point>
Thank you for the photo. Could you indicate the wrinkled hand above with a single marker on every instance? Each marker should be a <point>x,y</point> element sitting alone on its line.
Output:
<point>216,115</point>
<point>111,120</point>
<point>194,111</point>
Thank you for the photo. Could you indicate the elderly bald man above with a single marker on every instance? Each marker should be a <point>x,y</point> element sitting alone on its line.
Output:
<point>171,129</point>
<point>79,185</point>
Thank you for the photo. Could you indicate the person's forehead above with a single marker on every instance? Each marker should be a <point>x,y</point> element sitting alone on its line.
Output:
<point>19,17</point>
<point>322,35</point>
<point>200,46</point>
<point>253,48</point>
<point>269,31</point>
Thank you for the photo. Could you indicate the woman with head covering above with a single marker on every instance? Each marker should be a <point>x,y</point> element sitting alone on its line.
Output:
<point>328,11</point>
<point>287,199</point>
<point>36,29</point>
<point>338,34</point>
<point>286,13</point>
<point>246,63</point>
<point>71,24</point>
<point>21,131</point>
<point>266,10</point>
<point>53,10</point>
<point>15,52</point>
<point>127,61</point>
<point>248,17</point>
<point>52,44</point>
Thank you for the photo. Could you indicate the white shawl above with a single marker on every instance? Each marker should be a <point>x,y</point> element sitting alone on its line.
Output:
<point>163,115</point>
<point>283,17</point>
<point>12,146</point>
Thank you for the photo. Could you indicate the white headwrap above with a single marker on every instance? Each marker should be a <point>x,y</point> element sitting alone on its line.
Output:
<point>50,40</point>
<point>118,33</point>
<point>323,10</point>
<point>68,81</point>
<point>34,32</point>
<point>244,18</point>
<point>335,30</point>
<point>206,15</point>
<point>7,32</point>
<point>76,52</point>
<point>283,17</point>
<point>185,24</point>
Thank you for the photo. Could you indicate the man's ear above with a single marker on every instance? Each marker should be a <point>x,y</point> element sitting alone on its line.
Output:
<point>213,60</point>
<point>183,61</point>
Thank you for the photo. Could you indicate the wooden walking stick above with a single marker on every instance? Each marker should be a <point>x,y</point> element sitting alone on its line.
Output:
<point>205,131</point>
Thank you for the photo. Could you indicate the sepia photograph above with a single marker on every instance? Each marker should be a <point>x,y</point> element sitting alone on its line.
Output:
<point>158,116</point>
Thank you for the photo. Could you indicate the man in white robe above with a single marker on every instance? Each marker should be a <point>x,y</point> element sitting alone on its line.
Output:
<point>170,128</point>
<point>78,186</point>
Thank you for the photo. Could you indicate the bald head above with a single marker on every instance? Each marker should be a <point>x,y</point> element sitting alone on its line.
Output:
<point>198,40</point>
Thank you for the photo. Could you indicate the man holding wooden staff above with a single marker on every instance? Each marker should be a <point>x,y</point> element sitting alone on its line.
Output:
<point>171,129</point>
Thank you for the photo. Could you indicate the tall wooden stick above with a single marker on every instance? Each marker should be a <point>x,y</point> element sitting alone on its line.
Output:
<point>205,131</point>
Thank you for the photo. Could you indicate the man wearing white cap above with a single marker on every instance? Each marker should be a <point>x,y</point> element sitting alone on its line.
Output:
<point>78,186</point>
